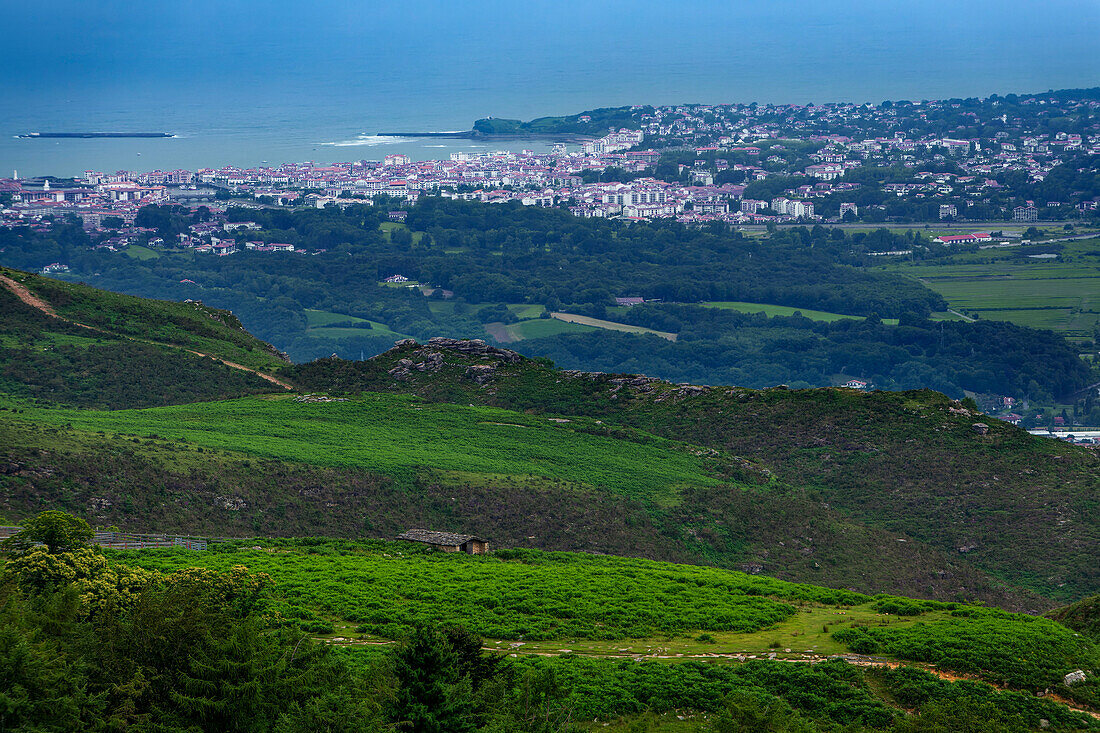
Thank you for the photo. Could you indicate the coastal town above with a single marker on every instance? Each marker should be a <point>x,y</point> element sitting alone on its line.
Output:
<point>738,164</point>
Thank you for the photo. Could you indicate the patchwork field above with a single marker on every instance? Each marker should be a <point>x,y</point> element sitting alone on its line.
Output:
<point>1016,284</point>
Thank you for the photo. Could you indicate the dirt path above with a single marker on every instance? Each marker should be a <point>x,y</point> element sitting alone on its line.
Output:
<point>20,291</point>
<point>857,660</point>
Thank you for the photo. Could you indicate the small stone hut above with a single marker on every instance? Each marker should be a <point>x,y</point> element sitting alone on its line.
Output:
<point>447,541</point>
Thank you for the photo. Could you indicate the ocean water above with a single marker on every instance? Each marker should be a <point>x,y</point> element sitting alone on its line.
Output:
<point>241,82</point>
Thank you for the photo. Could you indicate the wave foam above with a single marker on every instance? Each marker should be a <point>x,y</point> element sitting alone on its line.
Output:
<point>368,140</point>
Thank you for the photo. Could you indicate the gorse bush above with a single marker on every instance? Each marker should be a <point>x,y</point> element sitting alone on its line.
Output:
<point>1012,649</point>
<point>386,589</point>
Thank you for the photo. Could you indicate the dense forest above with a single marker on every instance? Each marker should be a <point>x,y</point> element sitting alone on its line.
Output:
<point>493,255</point>
<point>729,347</point>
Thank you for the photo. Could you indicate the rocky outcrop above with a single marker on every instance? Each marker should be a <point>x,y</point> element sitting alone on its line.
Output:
<point>474,347</point>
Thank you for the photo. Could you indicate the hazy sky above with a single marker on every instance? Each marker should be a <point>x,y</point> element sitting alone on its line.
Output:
<point>617,51</point>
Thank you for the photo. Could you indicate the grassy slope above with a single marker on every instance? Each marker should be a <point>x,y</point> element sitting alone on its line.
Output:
<point>47,358</point>
<point>380,464</point>
<point>1022,508</point>
<point>1082,616</point>
<point>185,325</point>
<point>613,607</point>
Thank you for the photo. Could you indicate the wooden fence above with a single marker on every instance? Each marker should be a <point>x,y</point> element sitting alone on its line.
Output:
<point>129,541</point>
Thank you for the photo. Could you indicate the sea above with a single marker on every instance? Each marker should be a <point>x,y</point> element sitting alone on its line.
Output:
<point>243,82</point>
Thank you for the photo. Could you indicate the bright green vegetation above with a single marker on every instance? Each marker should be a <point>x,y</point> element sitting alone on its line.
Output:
<point>141,253</point>
<point>73,623</point>
<point>1061,294</point>
<point>768,696</point>
<point>1004,648</point>
<point>784,310</point>
<point>532,596</point>
<point>512,594</point>
<point>951,487</point>
<point>397,435</point>
<point>628,630</point>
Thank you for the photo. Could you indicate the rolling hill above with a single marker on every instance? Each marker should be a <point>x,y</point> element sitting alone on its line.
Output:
<point>906,493</point>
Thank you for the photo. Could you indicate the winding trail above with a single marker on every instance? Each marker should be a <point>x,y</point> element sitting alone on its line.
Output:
<point>24,294</point>
<point>857,660</point>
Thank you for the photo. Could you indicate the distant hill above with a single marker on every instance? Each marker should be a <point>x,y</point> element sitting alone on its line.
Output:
<point>594,122</point>
<point>71,344</point>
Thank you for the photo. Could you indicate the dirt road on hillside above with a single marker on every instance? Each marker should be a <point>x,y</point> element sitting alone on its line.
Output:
<point>20,291</point>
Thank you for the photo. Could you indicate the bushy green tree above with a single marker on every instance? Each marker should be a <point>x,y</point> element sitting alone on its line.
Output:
<point>58,531</point>
<point>433,696</point>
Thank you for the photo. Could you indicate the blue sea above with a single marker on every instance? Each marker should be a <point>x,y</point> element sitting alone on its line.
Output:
<point>243,82</point>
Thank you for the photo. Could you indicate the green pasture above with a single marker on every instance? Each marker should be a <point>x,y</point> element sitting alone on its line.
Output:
<point>318,318</point>
<point>784,310</point>
<point>317,324</point>
<point>524,311</point>
<point>138,252</point>
<point>397,435</point>
<point>1005,284</point>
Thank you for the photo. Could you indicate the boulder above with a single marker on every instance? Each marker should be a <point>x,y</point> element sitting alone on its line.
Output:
<point>1074,677</point>
<point>980,428</point>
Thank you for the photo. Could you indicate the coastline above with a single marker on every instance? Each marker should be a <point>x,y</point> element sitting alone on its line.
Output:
<point>565,137</point>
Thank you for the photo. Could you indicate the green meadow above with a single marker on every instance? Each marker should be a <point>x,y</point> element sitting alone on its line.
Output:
<point>783,310</point>
<point>399,435</point>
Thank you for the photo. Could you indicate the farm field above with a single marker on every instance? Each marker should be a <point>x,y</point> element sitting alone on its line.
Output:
<point>610,325</point>
<point>783,310</point>
<point>398,435</point>
<point>141,253</point>
<point>1060,294</point>
<point>319,324</point>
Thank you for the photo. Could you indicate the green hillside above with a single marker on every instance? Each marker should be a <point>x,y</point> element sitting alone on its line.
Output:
<point>1020,507</point>
<point>902,493</point>
<point>308,634</point>
<point>1083,616</point>
<point>71,344</point>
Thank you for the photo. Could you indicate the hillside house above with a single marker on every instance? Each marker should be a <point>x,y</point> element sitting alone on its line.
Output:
<point>447,541</point>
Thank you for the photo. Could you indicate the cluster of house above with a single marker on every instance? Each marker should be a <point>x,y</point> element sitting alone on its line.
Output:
<point>742,143</point>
